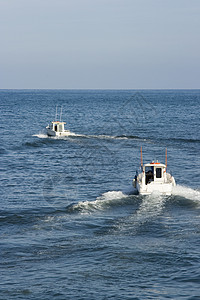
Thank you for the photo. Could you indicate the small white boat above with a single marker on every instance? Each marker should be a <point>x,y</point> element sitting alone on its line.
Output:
<point>57,128</point>
<point>154,178</point>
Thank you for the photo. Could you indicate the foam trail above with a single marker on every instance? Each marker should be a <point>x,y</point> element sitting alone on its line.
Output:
<point>150,208</point>
<point>118,137</point>
<point>101,202</point>
<point>186,192</point>
<point>102,136</point>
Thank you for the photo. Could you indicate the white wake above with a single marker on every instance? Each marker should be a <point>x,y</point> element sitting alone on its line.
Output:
<point>149,209</point>
<point>186,192</point>
<point>101,136</point>
<point>102,202</point>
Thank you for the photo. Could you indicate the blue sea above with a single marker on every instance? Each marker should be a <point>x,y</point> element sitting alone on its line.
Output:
<point>71,226</point>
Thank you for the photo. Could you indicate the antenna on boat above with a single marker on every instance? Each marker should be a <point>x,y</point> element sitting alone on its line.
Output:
<point>141,157</point>
<point>60,113</point>
<point>166,157</point>
<point>56,112</point>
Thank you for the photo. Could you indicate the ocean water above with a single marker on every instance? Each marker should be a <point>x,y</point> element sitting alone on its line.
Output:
<point>71,226</point>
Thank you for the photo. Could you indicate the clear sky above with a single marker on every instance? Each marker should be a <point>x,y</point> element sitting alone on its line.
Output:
<point>122,44</point>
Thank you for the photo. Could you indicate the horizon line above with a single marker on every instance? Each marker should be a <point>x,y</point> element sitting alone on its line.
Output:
<point>99,89</point>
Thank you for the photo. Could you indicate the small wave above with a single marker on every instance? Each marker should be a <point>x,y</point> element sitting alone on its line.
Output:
<point>37,143</point>
<point>16,218</point>
<point>186,192</point>
<point>181,140</point>
<point>3,151</point>
<point>104,201</point>
<point>102,136</point>
<point>26,216</point>
<point>41,135</point>
<point>127,137</point>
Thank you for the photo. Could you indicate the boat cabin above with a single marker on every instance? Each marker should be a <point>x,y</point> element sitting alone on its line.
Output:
<point>154,172</point>
<point>57,126</point>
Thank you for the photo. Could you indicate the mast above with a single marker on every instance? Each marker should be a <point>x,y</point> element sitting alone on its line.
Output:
<point>141,157</point>
<point>166,157</point>
<point>60,113</point>
<point>56,112</point>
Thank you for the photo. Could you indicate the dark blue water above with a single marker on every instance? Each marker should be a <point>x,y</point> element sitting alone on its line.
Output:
<point>70,226</point>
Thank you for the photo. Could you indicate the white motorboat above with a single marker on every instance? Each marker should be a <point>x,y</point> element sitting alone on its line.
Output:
<point>57,128</point>
<point>154,178</point>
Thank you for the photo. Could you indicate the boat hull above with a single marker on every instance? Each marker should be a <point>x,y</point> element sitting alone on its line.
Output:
<point>54,133</point>
<point>164,188</point>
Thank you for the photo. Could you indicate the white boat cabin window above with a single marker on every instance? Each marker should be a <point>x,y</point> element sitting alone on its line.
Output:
<point>158,173</point>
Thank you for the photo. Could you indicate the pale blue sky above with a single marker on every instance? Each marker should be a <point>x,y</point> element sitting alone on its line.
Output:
<point>130,44</point>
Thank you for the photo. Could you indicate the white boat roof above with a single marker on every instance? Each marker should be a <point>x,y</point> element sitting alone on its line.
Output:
<point>156,164</point>
<point>58,122</point>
